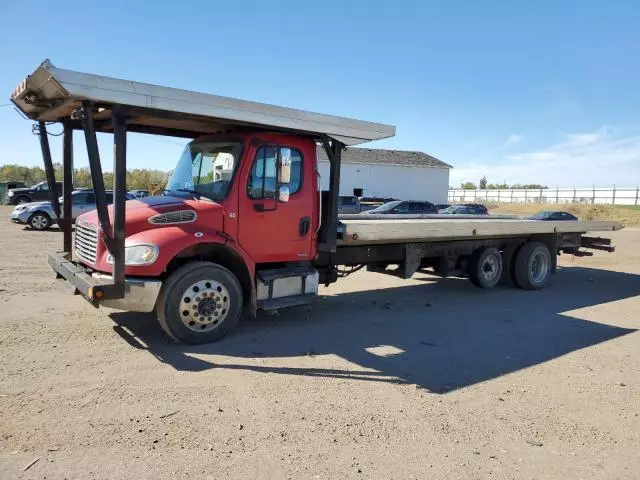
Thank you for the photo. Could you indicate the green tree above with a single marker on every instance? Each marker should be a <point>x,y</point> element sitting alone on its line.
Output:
<point>483,182</point>
<point>468,186</point>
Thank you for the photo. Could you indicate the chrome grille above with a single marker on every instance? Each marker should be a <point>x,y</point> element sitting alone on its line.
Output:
<point>86,244</point>
<point>180,216</point>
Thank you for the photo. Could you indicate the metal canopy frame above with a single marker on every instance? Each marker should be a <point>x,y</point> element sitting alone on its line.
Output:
<point>93,103</point>
<point>114,235</point>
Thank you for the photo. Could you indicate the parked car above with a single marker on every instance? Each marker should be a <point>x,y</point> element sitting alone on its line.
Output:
<point>40,216</point>
<point>548,215</point>
<point>139,193</point>
<point>404,207</point>
<point>467,209</point>
<point>40,191</point>
<point>442,206</point>
<point>348,204</point>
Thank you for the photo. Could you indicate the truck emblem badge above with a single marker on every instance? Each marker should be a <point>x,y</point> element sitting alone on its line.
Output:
<point>232,215</point>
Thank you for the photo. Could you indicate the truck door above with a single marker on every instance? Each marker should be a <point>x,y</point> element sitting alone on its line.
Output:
<point>269,230</point>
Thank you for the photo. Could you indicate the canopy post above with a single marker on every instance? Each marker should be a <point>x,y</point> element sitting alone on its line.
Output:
<point>96,173</point>
<point>67,186</point>
<point>48,168</point>
<point>333,150</point>
<point>119,194</point>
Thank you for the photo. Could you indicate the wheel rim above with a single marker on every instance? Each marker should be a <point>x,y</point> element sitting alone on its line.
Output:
<point>39,222</point>
<point>22,201</point>
<point>490,268</point>
<point>204,305</point>
<point>539,267</point>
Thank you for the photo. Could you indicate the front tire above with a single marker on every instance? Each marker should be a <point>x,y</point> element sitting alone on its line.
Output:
<point>39,221</point>
<point>199,303</point>
<point>22,200</point>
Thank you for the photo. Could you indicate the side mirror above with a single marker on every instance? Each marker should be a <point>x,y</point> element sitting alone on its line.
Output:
<point>284,167</point>
<point>283,194</point>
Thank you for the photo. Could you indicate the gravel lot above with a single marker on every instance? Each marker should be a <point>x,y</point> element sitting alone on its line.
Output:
<point>381,378</point>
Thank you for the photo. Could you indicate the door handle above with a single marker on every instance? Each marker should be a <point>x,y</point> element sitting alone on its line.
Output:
<point>304,226</point>
<point>259,207</point>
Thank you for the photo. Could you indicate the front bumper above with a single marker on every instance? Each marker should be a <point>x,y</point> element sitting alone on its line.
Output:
<point>136,295</point>
<point>19,217</point>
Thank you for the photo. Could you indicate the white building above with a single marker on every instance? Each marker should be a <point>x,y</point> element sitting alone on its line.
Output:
<point>397,174</point>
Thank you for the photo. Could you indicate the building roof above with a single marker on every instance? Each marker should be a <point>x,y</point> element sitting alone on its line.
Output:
<point>378,156</point>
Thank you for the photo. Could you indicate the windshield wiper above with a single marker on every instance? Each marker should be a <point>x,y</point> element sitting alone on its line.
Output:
<point>186,190</point>
<point>193,192</point>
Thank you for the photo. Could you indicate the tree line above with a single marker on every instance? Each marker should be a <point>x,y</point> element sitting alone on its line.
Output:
<point>485,185</point>
<point>152,180</point>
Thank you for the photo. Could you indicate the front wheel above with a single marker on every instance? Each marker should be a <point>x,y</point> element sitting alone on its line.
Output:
<point>199,303</point>
<point>39,221</point>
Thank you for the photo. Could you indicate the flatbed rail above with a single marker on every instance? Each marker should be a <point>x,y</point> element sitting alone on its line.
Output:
<point>362,232</point>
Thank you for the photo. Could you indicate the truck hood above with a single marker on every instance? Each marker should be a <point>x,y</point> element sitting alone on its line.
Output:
<point>155,202</point>
<point>21,190</point>
<point>139,211</point>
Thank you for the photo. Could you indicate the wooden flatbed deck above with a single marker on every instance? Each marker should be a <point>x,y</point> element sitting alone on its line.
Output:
<point>363,232</point>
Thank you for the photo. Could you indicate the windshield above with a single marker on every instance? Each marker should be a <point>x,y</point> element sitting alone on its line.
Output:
<point>448,210</point>
<point>206,168</point>
<point>387,206</point>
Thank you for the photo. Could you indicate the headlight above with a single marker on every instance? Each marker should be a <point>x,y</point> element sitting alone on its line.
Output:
<point>20,208</point>
<point>10,194</point>
<point>138,255</point>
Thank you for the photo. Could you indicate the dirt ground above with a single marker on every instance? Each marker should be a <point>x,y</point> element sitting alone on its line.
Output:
<point>381,378</point>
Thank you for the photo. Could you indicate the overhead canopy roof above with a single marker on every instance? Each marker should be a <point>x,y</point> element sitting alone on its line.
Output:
<point>52,94</point>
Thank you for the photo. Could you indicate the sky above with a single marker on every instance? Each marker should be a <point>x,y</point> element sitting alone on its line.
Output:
<point>522,92</point>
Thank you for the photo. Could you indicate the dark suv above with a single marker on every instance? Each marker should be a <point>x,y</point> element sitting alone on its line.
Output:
<point>39,192</point>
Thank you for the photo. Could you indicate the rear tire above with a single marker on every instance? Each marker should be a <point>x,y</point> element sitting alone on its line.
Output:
<point>509,264</point>
<point>485,267</point>
<point>199,303</point>
<point>533,266</point>
<point>39,221</point>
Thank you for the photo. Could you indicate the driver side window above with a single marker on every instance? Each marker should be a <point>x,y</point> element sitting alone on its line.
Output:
<point>262,178</point>
<point>43,188</point>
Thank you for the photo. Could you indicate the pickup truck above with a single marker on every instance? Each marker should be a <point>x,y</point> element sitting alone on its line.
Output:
<point>39,191</point>
<point>243,224</point>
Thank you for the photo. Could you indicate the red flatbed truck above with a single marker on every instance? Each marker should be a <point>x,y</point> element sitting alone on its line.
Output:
<point>244,223</point>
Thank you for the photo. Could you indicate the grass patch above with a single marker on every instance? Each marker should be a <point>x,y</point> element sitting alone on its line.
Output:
<point>629,215</point>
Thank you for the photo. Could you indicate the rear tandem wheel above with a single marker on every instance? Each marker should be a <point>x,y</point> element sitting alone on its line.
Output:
<point>485,267</point>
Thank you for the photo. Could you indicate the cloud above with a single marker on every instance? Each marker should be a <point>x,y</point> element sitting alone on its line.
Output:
<point>604,157</point>
<point>513,139</point>
<point>583,137</point>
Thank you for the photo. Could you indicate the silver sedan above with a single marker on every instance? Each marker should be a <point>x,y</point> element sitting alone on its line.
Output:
<point>40,216</point>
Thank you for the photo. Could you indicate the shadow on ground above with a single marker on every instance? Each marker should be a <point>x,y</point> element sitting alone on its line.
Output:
<point>442,335</point>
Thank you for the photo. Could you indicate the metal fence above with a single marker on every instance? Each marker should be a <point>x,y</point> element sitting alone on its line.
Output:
<point>607,196</point>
